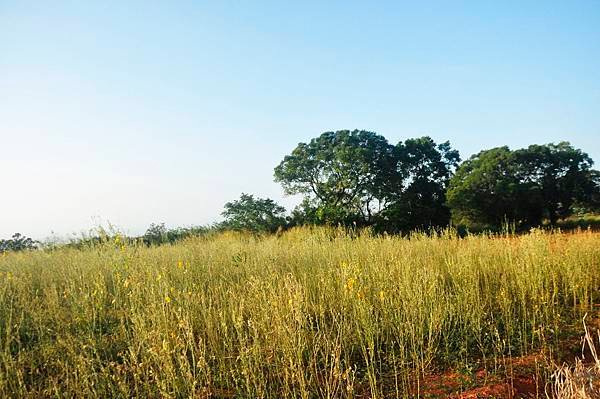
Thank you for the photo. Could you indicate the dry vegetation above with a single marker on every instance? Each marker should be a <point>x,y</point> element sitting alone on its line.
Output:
<point>582,380</point>
<point>311,313</point>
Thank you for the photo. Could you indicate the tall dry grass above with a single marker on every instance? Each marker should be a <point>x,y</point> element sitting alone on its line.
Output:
<point>312,313</point>
<point>581,380</point>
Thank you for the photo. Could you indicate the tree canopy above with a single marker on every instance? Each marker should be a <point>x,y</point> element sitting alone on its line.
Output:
<point>253,214</point>
<point>425,169</point>
<point>18,242</point>
<point>524,186</point>
<point>344,171</point>
<point>359,177</point>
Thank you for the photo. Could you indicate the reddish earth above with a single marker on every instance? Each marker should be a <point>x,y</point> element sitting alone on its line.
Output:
<point>516,377</point>
<point>519,377</point>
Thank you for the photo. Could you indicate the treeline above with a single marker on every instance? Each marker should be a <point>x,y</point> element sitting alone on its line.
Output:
<point>17,242</point>
<point>358,178</point>
<point>156,234</point>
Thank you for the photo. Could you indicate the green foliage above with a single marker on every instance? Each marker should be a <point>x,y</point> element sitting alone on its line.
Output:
<point>419,203</point>
<point>311,211</point>
<point>345,171</point>
<point>358,177</point>
<point>484,189</point>
<point>253,214</point>
<point>18,242</point>
<point>558,175</point>
<point>158,234</point>
<point>524,186</point>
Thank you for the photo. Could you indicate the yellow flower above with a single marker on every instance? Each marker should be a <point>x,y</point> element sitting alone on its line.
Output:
<point>180,264</point>
<point>381,295</point>
<point>350,283</point>
<point>167,299</point>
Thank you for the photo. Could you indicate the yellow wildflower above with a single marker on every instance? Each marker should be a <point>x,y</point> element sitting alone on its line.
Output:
<point>167,299</point>
<point>350,283</point>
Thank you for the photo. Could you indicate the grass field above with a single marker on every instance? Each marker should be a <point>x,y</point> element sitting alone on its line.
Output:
<point>310,313</point>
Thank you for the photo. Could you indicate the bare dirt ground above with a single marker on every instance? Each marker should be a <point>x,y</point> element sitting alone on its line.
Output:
<point>518,377</point>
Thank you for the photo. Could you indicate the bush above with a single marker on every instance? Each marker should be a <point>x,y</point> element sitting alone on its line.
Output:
<point>18,242</point>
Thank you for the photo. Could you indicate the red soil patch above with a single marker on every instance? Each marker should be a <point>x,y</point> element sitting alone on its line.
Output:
<point>518,377</point>
<point>523,383</point>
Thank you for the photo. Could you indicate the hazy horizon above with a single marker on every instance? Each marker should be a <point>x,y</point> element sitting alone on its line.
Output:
<point>139,113</point>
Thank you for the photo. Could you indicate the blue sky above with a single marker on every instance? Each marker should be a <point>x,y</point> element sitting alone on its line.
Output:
<point>140,112</point>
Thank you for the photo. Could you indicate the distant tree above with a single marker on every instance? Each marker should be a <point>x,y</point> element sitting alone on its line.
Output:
<point>483,189</point>
<point>346,172</point>
<point>307,212</point>
<point>18,242</point>
<point>253,214</point>
<point>558,175</point>
<point>592,204</point>
<point>358,177</point>
<point>523,186</point>
<point>158,233</point>
<point>420,201</point>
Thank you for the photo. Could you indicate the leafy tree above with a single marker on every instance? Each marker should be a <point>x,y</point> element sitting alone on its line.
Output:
<point>311,212</point>
<point>484,188</point>
<point>592,204</point>
<point>558,175</point>
<point>253,214</point>
<point>358,177</point>
<point>346,172</point>
<point>18,242</point>
<point>158,233</point>
<point>523,186</point>
<point>425,169</point>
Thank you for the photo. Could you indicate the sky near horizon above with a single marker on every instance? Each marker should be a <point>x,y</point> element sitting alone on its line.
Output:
<point>140,112</point>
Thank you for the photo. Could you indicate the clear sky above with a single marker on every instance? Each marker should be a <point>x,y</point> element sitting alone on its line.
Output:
<point>139,112</point>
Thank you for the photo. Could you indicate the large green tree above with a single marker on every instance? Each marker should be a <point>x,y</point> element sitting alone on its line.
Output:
<point>485,189</point>
<point>18,242</point>
<point>357,176</point>
<point>347,172</point>
<point>523,186</point>
<point>253,214</point>
<point>558,175</point>
<point>425,169</point>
